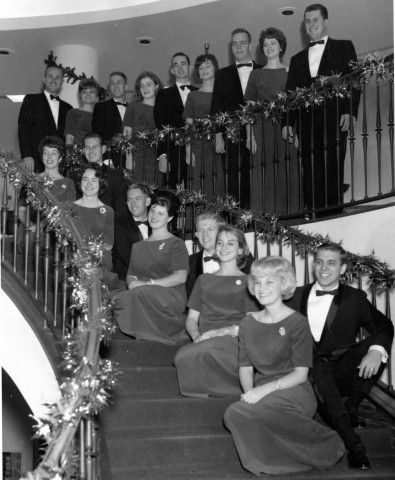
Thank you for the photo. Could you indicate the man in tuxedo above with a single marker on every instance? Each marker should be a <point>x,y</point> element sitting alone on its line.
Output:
<point>41,114</point>
<point>115,194</point>
<point>108,115</point>
<point>323,57</point>
<point>229,88</point>
<point>343,367</point>
<point>134,227</point>
<point>204,261</point>
<point>168,110</point>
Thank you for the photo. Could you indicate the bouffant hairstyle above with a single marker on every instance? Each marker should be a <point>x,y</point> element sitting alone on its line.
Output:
<point>277,35</point>
<point>241,240</point>
<point>166,199</point>
<point>150,75</point>
<point>333,247</point>
<point>275,266</point>
<point>203,59</point>
<point>52,141</point>
<point>100,173</point>
<point>88,83</point>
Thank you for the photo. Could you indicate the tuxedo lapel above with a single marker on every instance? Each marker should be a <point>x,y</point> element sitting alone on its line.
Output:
<point>199,264</point>
<point>115,113</point>
<point>48,112</point>
<point>304,300</point>
<point>236,80</point>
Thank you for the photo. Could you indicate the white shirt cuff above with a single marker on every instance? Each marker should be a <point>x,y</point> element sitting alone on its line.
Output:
<point>381,350</point>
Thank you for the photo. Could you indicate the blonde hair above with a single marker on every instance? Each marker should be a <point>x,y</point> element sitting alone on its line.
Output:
<point>278,267</point>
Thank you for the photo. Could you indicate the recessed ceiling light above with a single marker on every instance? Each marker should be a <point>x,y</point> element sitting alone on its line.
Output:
<point>287,11</point>
<point>144,40</point>
<point>6,51</point>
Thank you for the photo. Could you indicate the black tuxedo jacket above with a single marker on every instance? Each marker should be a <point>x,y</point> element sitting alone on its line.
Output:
<point>350,310</point>
<point>127,233</point>
<point>168,110</point>
<point>335,60</point>
<point>35,122</point>
<point>115,194</point>
<point>106,120</point>
<point>228,94</point>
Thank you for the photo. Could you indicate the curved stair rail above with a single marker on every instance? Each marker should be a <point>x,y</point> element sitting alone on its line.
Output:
<point>70,426</point>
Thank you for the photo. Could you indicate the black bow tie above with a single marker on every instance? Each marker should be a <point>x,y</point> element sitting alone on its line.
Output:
<point>54,97</point>
<point>240,65</point>
<point>320,293</point>
<point>141,222</point>
<point>318,42</point>
<point>183,87</point>
<point>208,259</point>
<point>121,103</point>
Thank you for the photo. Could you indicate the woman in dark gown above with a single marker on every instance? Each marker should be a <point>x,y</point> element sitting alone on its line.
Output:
<point>266,141</point>
<point>139,117</point>
<point>209,367</point>
<point>153,306</point>
<point>198,106</point>
<point>272,425</point>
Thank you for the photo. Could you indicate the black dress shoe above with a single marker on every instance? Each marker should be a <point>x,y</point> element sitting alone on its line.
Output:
<point>357,458</point>
<point>355,420</point>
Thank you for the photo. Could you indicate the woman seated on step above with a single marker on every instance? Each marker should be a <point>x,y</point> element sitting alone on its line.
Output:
<point>94,219</point>
<point>209,366</point>
<point>153,306</point>
<point>272,425</point>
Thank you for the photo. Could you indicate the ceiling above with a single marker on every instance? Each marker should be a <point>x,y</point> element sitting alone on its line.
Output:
<point>173,24</point>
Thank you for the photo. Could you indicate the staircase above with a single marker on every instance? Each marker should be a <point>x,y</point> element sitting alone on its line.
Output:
<point>154,433</point>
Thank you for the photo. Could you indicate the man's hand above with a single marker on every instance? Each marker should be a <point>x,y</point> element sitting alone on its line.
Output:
<point>219,143</point>
<point>345,122</point>
<point>163,163</point>
<point>28,164</point>
<point>251,144</point>
<point>129,161</point>
<point>370,364</point>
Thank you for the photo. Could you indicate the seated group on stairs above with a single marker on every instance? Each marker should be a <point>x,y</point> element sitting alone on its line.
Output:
<point>279,362</point>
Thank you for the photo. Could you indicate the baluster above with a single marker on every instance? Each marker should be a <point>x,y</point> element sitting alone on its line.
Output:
<point>26,235</point>
<point>82,475</point>
<point>214,171</point>
<point>256,256</point>
<point>190,170</point>
<point>95,449</point>
<point>293,251</point>
<point>389,363</point>
<point>287,167</point>
<point>365,139</point>
<point>280,245</point>
<point>168,160</point>
<point>268,249</point>
<point>239,168</point>
<point>325,150</point>
<point>89,453</point>
<point>156,166</point>
<point>37,242</point>
<point>4,205</point>
<point>338,182</point>
<point>15,228</point>
<point>226,170</point>
<point>378,135</point>
<point>360,333</point>
<point>275,165</point>
<point>179,171</point>
<point>263,166</point>
<point>202,168</point>
<point>299,157</point>
<point>352,146</point>
<point>56,265</point>
<point>144,161</point>
<point>64,289</point>
<point>312,159</point>
<point>251,161</point>
<point>306,270</point>
<point>46,266</point>
<point>391,132</point>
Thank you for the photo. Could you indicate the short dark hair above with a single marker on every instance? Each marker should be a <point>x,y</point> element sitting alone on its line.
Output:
<point>88,83</point>
<point>333,247</point>
<point>150,75</point>
<point>278,267</point>
<point>242,30</point>
<point>204,58</point>
<point>100,173</point>
<point>139,186</point>
<point>317,6</point>
<point>53,65</point>
<point>52,141</point>
<point>180,54</point>
<point>241,240</point>
<point>166,199</point>
<point>92,135</point>
<point>121,74</point>
<point>276,34</point>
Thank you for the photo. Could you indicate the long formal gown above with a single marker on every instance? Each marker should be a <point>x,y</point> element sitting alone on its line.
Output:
<point>263,85</point>
<point>140,117</point>
<point>152,312</point>
<point>95,223</point>
<point>210,367</point>
<point>198,106</point>
<point>278,433</point>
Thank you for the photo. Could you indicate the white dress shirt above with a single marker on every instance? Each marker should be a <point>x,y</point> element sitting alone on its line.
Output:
<point>183,92</point>
<point>315,55</point>
<point>143,228</point>
<point>244,74</point>
<point>211,266</point>
<point>121,110</point>
<point>54,104</point>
